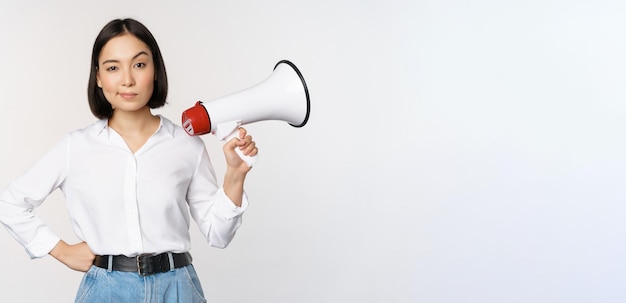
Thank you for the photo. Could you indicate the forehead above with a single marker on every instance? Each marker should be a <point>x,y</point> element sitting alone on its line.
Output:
<point>124,47</point>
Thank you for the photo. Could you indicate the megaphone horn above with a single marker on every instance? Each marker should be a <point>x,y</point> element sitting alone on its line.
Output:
<point>282,96</point>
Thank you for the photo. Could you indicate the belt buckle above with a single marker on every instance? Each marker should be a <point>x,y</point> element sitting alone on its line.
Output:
<point>141,263</point>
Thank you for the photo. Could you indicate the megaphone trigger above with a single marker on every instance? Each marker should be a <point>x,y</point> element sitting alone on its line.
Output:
<point>226,129</point>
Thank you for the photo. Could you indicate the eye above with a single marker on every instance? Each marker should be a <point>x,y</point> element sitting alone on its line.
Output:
<point>140,65</point>
<point>111,68</point>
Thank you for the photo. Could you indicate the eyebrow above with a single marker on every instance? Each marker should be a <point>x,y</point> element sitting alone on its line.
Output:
<point>116,61</point>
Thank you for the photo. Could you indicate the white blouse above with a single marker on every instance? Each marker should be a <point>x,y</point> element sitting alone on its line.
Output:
<point>123,203</point>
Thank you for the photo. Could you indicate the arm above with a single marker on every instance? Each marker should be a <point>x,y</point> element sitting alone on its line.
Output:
<point>217,211</point>
<point>28,191</point>
<point>237,169</point>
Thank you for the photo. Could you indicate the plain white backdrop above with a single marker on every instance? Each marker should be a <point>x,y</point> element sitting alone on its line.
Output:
<point>457,151</point>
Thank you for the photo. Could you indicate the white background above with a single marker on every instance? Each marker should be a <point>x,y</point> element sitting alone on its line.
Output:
<point>457,151</point>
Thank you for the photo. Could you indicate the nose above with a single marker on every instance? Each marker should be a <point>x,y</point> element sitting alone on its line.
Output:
<point>128,78</point>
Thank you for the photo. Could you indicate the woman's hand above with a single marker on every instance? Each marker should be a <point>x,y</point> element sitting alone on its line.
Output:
<point>244,143</point>
<point>77,256</point>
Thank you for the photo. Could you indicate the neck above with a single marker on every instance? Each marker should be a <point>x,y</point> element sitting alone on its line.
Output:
<point>133,122</point>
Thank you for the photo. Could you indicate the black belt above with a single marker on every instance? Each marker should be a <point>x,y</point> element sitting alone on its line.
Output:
<point>144,265</point>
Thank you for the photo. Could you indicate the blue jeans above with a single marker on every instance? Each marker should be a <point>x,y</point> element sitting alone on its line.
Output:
<point>179,285</point>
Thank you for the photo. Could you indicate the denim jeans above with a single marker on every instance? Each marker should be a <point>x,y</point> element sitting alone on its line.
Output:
<point>102,286</point>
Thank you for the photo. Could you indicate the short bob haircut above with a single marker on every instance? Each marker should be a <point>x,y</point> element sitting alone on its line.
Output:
<point>100,107</point>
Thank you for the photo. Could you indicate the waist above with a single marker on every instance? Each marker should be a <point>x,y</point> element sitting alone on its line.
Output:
<point>144,265</point>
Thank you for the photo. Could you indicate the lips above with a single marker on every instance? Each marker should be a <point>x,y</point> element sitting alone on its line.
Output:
<point>127,95</point>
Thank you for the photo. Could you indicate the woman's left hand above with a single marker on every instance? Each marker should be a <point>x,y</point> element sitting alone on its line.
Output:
<point>244,143</point>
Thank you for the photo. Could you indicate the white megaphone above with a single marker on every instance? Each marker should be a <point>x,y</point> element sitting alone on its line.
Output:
<point>282,96</point>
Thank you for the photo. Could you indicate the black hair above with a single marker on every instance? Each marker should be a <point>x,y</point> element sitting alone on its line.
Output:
<point>100,107</point>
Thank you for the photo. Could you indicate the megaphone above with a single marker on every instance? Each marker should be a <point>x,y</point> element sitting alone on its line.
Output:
<point>282,96</point>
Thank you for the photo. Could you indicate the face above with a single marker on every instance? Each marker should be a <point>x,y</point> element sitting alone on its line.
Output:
<point>126,73</point>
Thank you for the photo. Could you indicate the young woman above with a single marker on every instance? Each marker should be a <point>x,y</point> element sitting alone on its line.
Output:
<point>131,180</point>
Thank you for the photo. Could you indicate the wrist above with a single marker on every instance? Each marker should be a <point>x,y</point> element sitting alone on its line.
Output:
<point>58,251</point>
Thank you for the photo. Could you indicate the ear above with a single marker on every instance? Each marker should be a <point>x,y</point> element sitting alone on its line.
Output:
<point>98,82</point>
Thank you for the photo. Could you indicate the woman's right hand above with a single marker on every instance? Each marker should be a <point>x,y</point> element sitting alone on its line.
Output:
<point>77,256</point>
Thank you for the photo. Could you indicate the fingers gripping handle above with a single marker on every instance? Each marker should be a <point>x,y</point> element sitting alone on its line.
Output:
<point>250,160</point>
<point>232,131</point>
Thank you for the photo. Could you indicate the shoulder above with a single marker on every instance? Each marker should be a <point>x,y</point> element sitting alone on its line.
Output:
<point>179,134</point>
<point>94,129</point>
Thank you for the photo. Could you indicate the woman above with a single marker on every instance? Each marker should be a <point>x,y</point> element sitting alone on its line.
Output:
<point>131,180</point>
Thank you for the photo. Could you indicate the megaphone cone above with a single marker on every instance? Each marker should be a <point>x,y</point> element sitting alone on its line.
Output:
<point>283,96</point>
